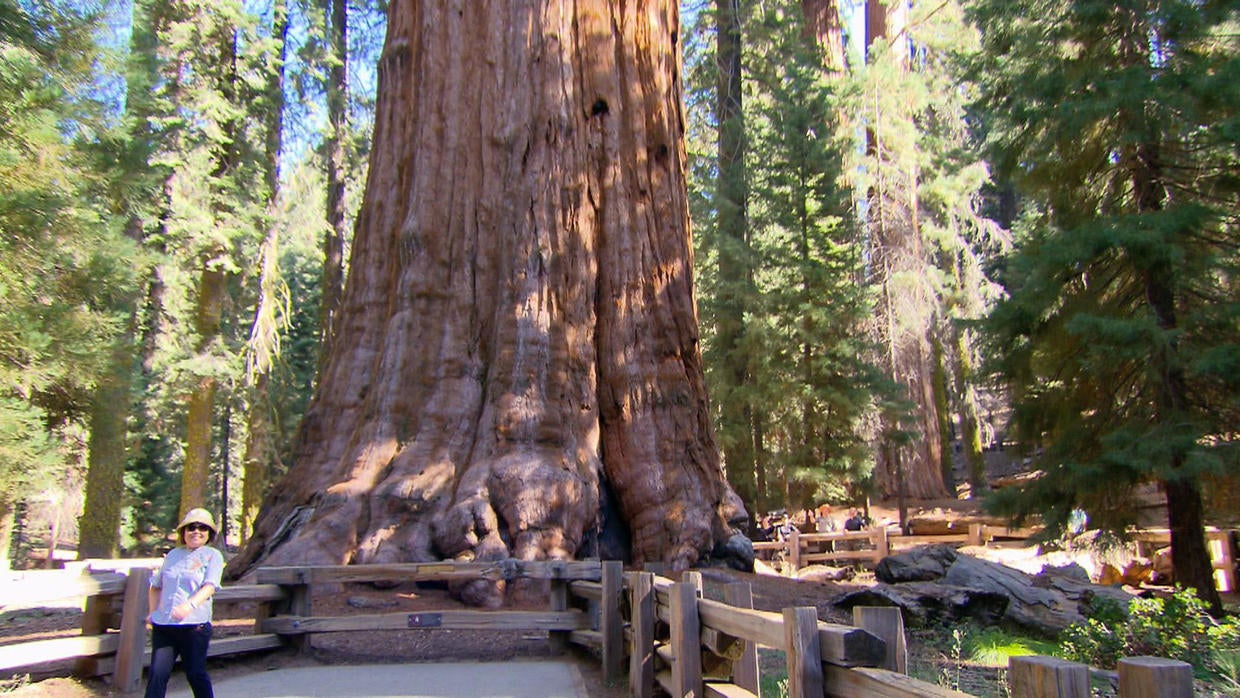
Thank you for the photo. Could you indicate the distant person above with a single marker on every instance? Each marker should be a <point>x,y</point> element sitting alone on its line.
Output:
<point>180,597</point>
<point>824,523</point>
<point>766,529</point>
<point>786,528</point>
<point>855,521</point>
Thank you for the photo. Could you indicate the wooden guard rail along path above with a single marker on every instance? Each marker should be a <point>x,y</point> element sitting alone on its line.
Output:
<point>871,545</point>
<point>113,637</point>
<point>664,632</point>
<point>569,581</point>
<point>686,645</point>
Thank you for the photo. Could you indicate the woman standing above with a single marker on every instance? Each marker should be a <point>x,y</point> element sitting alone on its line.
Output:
<point>180,598</point>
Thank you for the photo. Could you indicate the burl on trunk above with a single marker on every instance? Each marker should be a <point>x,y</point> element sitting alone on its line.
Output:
<point>518,340</point>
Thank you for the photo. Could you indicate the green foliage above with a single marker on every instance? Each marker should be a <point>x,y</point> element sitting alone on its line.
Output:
<point>63,262</point>
<point>1177,627</point>
<point>28,454</point>
<point>1121,305</point>
<point>807,381</point>
<point>812,370</point>
<point>993,646</point>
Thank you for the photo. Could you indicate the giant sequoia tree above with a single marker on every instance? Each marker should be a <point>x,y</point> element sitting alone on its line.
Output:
<point>518,336</point>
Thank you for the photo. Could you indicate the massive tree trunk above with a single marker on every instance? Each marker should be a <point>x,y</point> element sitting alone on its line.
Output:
<point>518,336</point>
<point>825,27</point>
<point>100,523</point>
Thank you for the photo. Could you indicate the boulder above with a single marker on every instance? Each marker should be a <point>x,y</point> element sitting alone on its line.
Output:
<point>922,564</point>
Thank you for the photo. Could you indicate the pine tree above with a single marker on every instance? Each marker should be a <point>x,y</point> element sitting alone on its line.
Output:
<point>812,376</point>
<point>212,147</point>
<point>63,263</point>
<point>740,420</point>
<point>1118,336</point>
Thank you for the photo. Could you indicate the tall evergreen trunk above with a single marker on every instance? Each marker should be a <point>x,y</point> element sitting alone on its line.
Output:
<point>260,452</point>
<point>970,418</point>
<point>942,411</point>
<point>111,406</point>
<point>738,420</point>
<point>331,286</point>
<point>260,449</point>
<point>1190,557</point>
<point>518,328</point>
<point>212,290</point>
<point>99,525</point>
<point>196,471</point>
<point>905,312</point>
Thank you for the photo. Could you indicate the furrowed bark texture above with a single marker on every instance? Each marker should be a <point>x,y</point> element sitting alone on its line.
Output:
<point>518,323</point>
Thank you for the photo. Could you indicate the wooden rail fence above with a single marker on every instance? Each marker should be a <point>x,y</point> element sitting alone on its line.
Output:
<point>664,633</point>
<point>871,545</point>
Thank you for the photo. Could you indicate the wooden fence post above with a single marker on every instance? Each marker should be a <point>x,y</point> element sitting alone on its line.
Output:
<point>744,669</point>
<point>300,604</point>
<point>804,652</point>
<point>611,625</point>
<point>794,552</point>
<point>641,654</point>
<point>1047,677</point>
<point>686,643</point>
<point>558,602</point>
<point>97,617</point>
<point>882,545</point>
<point>128,672</point>
<point>1155,677</point>
<point>887,622</point>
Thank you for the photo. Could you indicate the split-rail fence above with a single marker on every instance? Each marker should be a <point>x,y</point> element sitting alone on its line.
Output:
<point>868,546</point>
<point>656,633</point>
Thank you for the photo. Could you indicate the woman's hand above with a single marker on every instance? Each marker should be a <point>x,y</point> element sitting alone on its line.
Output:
<point>181,610</point>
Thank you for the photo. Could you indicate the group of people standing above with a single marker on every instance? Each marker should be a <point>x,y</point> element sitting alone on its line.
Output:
<point>780,525</point>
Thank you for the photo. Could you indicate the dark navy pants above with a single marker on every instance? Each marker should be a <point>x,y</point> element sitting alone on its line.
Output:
<point>190,643</point>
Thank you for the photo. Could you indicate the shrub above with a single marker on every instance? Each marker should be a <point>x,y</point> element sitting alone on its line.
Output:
<point>1176,627</point>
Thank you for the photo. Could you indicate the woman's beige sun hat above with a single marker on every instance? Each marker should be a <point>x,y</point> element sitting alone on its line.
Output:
<point>197,515</point>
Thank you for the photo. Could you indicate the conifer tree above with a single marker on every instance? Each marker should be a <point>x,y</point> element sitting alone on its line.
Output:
<point>740,419</point>
<point>63,264</point>
<point>273,300</point>
<point>1118,335</point>
<point>812,373</point>
<point>900,258</point>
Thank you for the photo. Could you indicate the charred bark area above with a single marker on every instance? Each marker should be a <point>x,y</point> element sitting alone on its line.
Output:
<point>518,330</point>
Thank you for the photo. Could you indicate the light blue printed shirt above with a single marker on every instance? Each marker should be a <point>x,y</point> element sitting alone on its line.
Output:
<point>184,572</point>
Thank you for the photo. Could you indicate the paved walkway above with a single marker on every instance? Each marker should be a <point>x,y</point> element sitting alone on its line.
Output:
<point>516,679</point>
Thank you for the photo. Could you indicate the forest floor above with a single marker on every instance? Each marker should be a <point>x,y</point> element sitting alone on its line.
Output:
<point>769,592</point>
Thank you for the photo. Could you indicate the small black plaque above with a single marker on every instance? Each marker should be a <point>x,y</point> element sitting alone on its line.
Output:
<point>425,620</point>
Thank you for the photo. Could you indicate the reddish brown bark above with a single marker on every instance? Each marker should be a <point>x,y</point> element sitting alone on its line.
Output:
<point>518,323</point>
<point>906,308</point>
<point>825,28</point>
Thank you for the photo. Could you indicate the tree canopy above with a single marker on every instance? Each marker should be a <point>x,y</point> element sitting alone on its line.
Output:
<point>909,221</point>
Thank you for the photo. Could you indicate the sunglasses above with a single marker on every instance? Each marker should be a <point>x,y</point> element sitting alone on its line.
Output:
<point>198,528</point>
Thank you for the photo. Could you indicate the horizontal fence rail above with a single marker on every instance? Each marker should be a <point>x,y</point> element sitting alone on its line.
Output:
<point>662,632</point>
<point>869,546</point>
